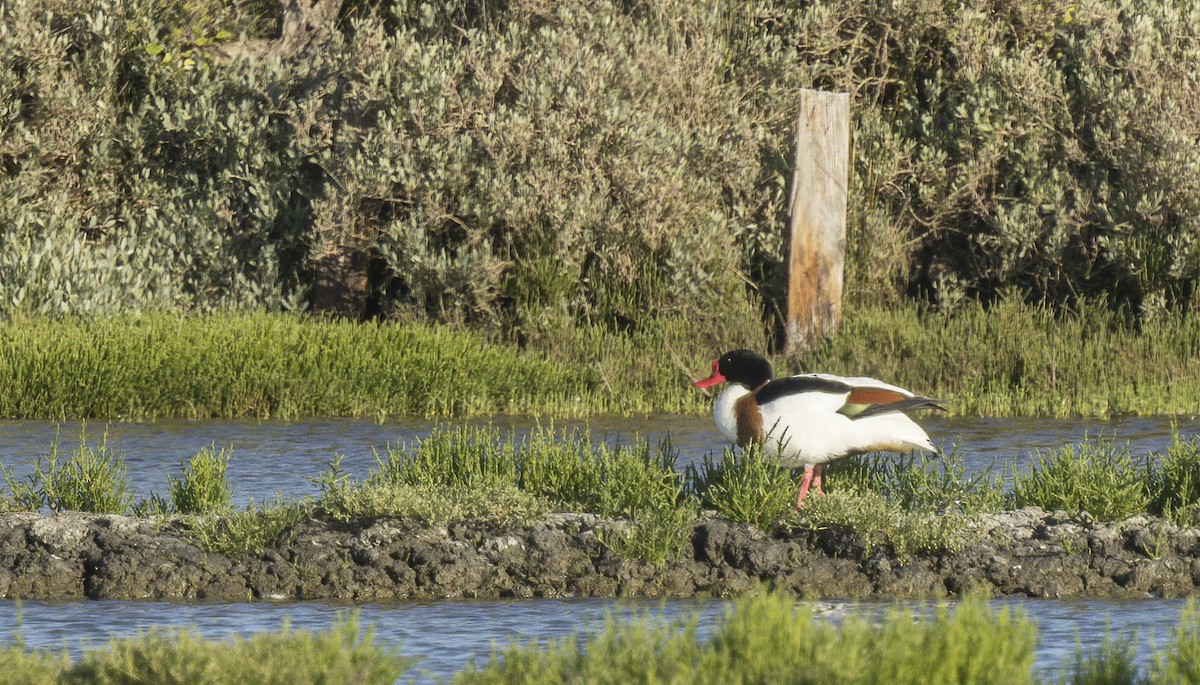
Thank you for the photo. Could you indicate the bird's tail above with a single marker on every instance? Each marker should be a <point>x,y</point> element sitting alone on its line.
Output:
<point>905,405</point>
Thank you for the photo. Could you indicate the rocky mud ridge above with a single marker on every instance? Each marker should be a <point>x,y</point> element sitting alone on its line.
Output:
<point>1028,553</point>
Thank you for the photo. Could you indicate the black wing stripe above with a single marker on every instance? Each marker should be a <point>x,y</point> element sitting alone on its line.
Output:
<point>792,385</point>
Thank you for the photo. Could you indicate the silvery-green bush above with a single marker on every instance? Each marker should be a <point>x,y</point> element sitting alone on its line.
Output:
<point>530,166</point>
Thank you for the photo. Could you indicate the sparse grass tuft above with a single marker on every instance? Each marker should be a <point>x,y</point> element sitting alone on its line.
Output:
<point>204,488</point>
<point>1096,477</point>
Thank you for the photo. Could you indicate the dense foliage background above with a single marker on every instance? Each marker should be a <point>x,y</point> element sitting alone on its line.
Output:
<point>531,166</point>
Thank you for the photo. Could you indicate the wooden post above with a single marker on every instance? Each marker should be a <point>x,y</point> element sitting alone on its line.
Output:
<point>818,218</point>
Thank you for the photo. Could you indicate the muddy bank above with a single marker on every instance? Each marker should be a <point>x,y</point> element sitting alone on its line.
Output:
<point>1026,553</point>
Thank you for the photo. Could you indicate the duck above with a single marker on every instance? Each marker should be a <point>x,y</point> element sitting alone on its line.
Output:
<point>811,419</point>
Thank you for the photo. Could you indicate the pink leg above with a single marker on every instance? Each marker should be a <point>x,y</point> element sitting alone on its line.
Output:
<point>807,481</point>
<point>818,478</point>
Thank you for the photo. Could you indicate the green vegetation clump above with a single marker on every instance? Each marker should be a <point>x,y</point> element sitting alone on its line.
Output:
<point>1174,482</point>
<point>204,487</point>
<point>768,639</point>
<point>475,473</point>
<point>1094,477</point>
<point>89,480</point>
<point>745,486</point>
<point>343,654</point>
<point>251,529</point>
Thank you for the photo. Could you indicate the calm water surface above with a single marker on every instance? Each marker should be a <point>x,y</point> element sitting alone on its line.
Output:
<point>271,458</point>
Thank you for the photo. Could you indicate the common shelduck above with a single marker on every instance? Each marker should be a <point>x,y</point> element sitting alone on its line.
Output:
<point>812,419</point>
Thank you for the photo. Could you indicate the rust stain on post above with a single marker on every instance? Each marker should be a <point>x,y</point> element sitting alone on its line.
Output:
<point>818,218</point>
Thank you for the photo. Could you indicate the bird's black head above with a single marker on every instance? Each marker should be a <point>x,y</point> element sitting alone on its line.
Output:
<point>738,366</point>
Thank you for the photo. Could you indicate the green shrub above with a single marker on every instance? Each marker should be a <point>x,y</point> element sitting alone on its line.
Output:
<point>919,482</point>
<point>1173,482</point>
<point>252,529</point>
<point>204,488</point>
<point>343,654</point>
<point>531,167</point>
<point>882,523</point>
<point>89,479</point>
<point>744,486</point>
<point>1098,478</point>
<point>768,639</point>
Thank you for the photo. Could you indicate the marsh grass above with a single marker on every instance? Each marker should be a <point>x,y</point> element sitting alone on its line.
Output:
<point>88,479</point>
<point>252,529</point>
<point>345,653</point>
<point>204,488</point>
<point>745,486</point>
<point>1112,662</point>
<point>769,639</point>
<point>1094,476</point>
<point>483,473</point>
<point>157,365</point>
<point>1174,482</point>
<point>906,504</point>
<point>1011,359</point>
<point>920,482</point>
<point>1016,359</point>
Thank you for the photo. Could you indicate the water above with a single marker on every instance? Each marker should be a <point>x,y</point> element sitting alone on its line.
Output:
<point>271,458</point>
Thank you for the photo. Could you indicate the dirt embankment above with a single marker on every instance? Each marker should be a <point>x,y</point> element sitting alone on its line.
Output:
<point>1025,553</point>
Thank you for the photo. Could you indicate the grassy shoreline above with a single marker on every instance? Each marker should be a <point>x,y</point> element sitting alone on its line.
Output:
<point>1010,360</point>
<point>906,505</point>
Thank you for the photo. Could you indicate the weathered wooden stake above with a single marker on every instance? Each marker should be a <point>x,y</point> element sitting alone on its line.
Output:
<point>818,218</point>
